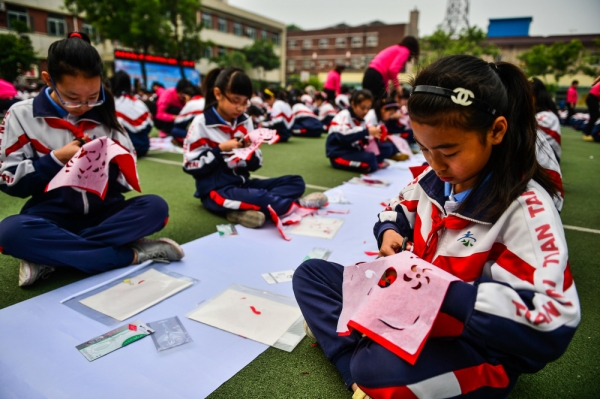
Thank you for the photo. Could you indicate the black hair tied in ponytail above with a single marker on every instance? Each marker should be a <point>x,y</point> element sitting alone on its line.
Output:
<point>229,80</point>
<point>505,90</point>
<point>76,56</point>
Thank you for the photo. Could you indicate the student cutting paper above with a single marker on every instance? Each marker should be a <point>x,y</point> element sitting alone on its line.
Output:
<point>69,227</point>
<point>484,218</point>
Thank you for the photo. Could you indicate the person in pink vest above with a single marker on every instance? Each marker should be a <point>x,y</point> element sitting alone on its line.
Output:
<point>333,84</point>
<point>169,104</point>
<point>386,66</point>
<point>571,100</point>
<point>8,95</point>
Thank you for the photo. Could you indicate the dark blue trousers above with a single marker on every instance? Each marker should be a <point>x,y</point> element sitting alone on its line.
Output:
<point>379,372</point>
<point>91,244</point>
<point>257,194</point>
<point>363,161</point>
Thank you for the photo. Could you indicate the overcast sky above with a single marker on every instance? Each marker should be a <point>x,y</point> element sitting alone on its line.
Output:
<point>550,17</point>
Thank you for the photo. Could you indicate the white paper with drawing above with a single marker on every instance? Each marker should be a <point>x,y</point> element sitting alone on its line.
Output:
<point>135,294</point>
<point>251,316</point>
<point>316,226</point>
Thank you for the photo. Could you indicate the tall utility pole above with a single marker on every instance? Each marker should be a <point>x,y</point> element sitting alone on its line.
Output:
<point>457,16</point>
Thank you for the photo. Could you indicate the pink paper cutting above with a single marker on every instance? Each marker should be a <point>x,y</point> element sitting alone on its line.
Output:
<point>256,138</point>
<point>277,222</point>
<point>401,144</point>
<point>88,168</point>
<point>372,146</point>
<point>394,301</point>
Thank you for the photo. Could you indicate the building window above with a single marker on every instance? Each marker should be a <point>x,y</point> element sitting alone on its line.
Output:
<point>291,65</point>
<point>264,35</point>
<point>207,53</point>
<point>275,38</point>
<point>222,51</point>
<point>323,43</point>
<point>17,16</point>
<point>306,64</point>
<point>222,25</point>
<point>372,41</point>
<point>237,29</point>
<point>56,26</point>
<point>207,20</point>
<point>356,63</point>
<point>323,64</point>
<point>306,43</point>
<point>292,44</point>
<point>357,41</point>
<point>251,32</point>
<point>90,31</point>
<point>340,42</point>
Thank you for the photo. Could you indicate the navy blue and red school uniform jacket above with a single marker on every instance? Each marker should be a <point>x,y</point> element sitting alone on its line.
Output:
<point>203,159</point>
<point>29,133</point>
<point>346,134</point>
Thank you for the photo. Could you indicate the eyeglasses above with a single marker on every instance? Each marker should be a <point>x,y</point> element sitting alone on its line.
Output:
<point>242,103</point>
<point>73,104</point>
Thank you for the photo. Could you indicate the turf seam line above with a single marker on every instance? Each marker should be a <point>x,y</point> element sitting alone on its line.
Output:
<point>165,161</point>
<point>584,229</point>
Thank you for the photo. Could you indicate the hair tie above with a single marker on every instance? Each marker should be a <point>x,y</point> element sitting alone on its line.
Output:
<point>460,96</point>
<point>269,92</point>
<point>75,34</point>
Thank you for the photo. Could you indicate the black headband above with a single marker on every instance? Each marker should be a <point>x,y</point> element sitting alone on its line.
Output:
<point>458,96</point>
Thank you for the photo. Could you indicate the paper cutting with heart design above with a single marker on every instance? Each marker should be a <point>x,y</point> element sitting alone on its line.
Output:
<point>88,169</point>
<point>394,301</point>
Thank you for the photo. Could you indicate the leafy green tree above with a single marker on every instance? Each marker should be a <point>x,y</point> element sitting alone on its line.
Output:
<point>293,27</point>
<point>16,52</point>
<point>261,55</point>
<point>470,41</point>
<point>590,61</point>
<point>536,61</point>
<point>234,59</point>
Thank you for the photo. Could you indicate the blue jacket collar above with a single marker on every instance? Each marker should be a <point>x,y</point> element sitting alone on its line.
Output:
<point>212,118</point>
<point>434,188</point>
<point>43,108</point>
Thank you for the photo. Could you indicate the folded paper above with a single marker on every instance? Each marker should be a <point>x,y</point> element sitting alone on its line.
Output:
<point>394,301</point>
<point>256,138</point>
<point>88,169</point>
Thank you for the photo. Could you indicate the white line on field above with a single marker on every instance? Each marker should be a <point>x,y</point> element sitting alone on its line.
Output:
<point>586,230</point>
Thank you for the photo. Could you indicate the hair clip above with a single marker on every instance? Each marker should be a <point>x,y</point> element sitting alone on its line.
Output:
<point>269,92</point>
<point>459,96</point>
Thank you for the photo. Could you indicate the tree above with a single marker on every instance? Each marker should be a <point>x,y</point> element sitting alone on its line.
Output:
<point>184,30</point>
<point>470,41</point>
<point>558,59</point>
<point>262,55</point>
<point>234,59</point>
<point>536,61</point>
<point>590,62</point>
<point>16,52</point>
<point>293,27</point>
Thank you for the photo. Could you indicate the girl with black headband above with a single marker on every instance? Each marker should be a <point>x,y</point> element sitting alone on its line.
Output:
<point>69,227</point>
<point>484,212</point>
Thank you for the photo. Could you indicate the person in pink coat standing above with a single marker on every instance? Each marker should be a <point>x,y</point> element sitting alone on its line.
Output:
<point>386,66</point>
<point>333,84</point>
<point>571,100</point>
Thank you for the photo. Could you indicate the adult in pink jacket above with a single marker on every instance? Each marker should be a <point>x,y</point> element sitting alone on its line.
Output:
<point>170,102</point>
<point>333,83</point>
<point>386,66</point>
<point>571,100</point>
<point>8,95</point>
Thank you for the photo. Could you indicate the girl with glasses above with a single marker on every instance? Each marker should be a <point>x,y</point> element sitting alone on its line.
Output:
<point>68,227</point>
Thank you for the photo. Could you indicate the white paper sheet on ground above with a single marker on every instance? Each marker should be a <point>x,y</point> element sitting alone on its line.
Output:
<point>257,318</point>
<point>317,226</point>
<point>278,277</point>
<point>135,294</point>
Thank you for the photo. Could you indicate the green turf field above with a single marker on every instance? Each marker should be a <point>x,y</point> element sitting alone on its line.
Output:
<point>305,373</point>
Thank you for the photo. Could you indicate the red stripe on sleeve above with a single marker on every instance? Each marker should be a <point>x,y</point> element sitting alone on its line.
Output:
<point>484,375</point>
<point>21,141</point>
<point>511,262</point>
<point>203,142</point>
<point>134,122</point>
<point>551,133</point>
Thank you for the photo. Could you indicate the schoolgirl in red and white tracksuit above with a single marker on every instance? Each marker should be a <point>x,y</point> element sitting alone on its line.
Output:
<point>136,118</point>
<point>225,186</point>
<point>67,227</point>
<point>306,123</point>
<point>346,141</point>
<point>190,110</point>
<point>546,157</point>
<point>515,310</point>
<point>549,124</point>
<point>280,118</point>
<point>326,112</point>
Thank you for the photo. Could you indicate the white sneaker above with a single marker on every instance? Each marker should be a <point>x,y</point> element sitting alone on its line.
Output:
<point>313,200</point>
<point>248,219</point>
<point>308,332</point>
<point>159,250</point>
<point>29,272</point>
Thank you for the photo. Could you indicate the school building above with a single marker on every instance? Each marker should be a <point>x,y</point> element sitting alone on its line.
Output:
<point>227,27</point>
<point>316,52</point>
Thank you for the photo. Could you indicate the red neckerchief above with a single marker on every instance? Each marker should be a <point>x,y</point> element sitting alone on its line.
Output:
<point>438,223</point>
<point>78,131</point>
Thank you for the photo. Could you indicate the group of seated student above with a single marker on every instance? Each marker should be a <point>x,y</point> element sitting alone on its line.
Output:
<point>514,306</point>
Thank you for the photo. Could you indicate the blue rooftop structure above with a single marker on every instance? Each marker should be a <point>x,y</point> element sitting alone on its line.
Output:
<point>509,27</point>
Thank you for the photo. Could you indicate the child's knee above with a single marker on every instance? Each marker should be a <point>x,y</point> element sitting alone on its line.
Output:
<point>155,206</point>
<point>12,231</point>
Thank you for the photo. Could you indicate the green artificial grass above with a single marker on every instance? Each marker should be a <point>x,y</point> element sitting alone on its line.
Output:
<point>305,373</point>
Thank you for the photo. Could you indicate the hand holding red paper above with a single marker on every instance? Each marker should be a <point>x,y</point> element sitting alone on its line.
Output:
<point>88,169</point>
<point>394,301</point>
<point>256,138</point>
